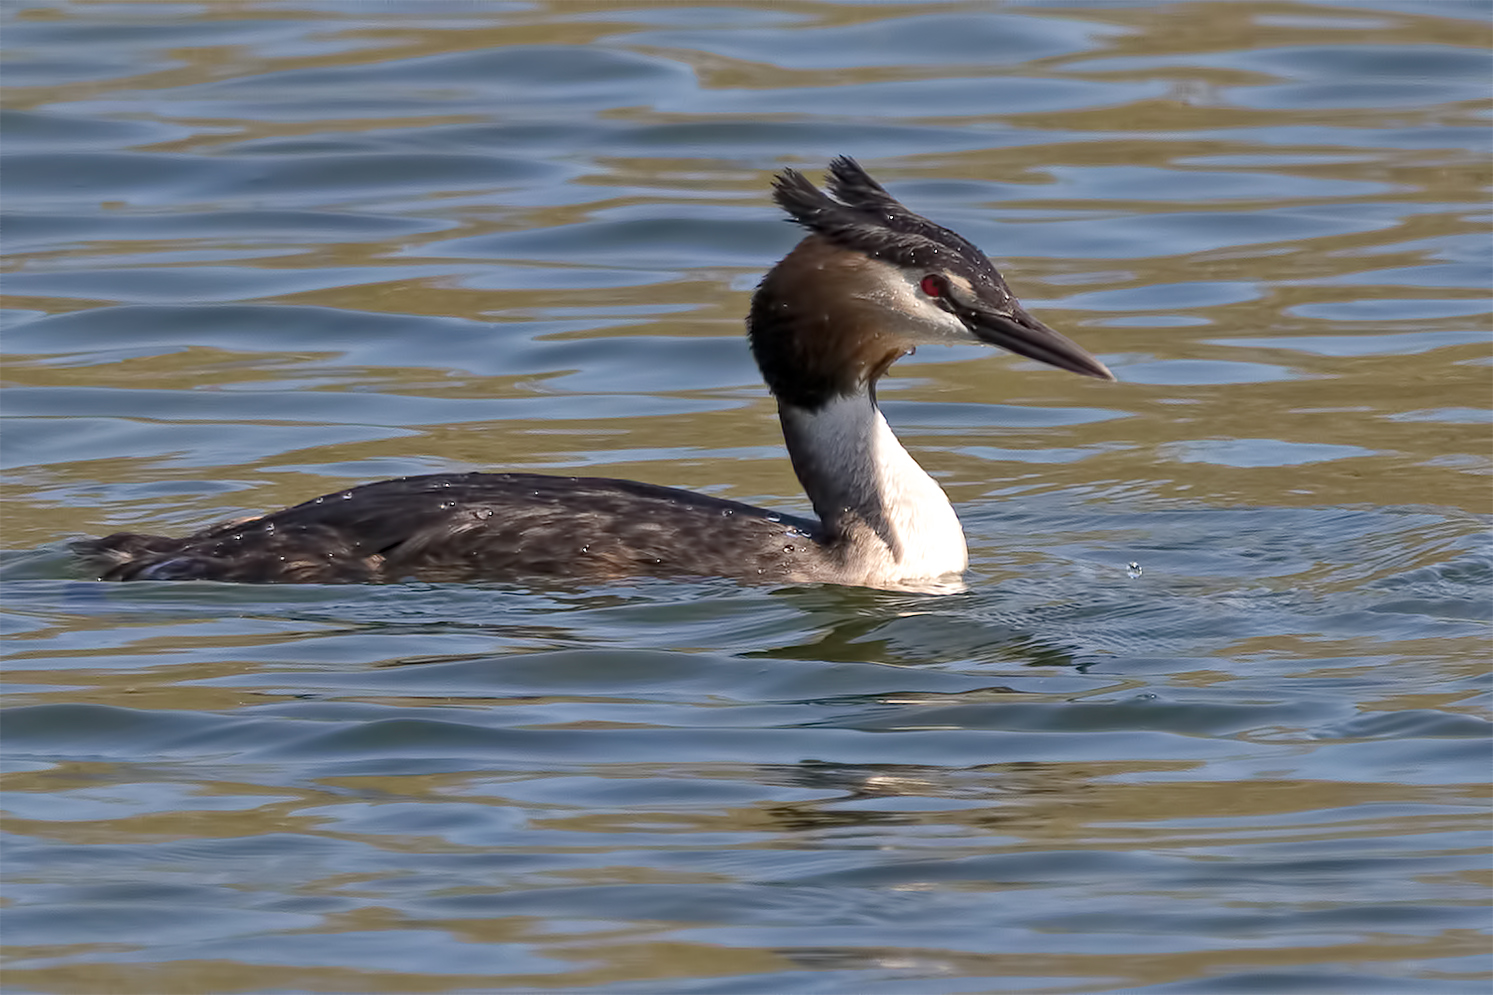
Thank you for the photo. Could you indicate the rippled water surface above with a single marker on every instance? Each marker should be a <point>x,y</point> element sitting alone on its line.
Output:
<point>258,251</point>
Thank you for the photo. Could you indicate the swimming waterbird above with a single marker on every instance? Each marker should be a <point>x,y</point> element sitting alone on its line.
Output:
<point>869,282</point>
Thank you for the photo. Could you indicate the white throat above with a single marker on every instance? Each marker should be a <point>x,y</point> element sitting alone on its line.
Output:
<point>895,520</point>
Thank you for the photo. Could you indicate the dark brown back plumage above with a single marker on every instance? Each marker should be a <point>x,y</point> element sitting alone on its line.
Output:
<point>478,526</point>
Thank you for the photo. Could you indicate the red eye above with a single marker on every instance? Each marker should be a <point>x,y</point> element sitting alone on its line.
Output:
<point>932,285</point>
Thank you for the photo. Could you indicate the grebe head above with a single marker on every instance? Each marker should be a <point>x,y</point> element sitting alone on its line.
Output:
<point>869,283</point>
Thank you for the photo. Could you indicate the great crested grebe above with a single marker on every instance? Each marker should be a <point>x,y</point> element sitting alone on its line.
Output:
<point>869,283</point>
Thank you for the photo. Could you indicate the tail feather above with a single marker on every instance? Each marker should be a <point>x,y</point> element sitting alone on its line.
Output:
<point>123,555</point>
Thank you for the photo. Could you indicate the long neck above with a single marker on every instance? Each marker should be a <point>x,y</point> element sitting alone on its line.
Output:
<point>889,517</point>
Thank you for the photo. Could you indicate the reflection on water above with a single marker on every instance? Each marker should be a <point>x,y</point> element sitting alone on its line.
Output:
<point>1212,716</point>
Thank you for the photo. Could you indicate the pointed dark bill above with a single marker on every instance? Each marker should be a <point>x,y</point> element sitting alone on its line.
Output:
<point>1014,330</point>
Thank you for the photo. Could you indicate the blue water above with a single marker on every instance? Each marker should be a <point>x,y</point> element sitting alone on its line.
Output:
<point>1211,717</point>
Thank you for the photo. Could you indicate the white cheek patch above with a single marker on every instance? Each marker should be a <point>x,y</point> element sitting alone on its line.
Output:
<point>913,314</point>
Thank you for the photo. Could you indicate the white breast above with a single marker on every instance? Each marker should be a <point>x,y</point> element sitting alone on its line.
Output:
<point>858,465</point>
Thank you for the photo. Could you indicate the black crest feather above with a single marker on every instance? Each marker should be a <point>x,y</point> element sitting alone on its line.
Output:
<point>861,215</point>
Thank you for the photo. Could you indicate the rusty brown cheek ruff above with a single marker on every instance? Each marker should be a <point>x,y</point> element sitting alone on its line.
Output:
<point>814,335</point>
